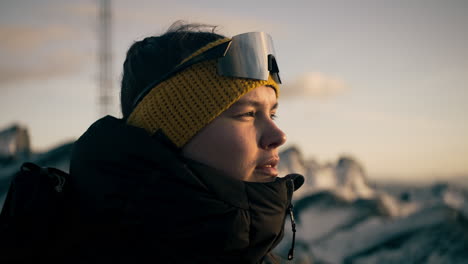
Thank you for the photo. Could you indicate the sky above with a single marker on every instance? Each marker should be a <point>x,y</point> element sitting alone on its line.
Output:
<point>385,82</point>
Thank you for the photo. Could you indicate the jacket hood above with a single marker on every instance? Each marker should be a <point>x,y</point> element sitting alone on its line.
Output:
<point>123,177</point>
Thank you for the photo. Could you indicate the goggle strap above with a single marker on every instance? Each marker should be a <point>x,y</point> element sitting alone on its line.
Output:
<point>213,53</point>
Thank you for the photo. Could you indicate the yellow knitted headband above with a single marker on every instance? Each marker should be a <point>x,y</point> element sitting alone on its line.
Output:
<point>186,102</point>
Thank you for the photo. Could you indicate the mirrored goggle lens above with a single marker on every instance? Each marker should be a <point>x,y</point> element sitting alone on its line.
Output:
<point>250,55</point>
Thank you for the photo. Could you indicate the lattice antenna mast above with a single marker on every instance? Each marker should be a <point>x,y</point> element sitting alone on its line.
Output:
<point>105,57</point>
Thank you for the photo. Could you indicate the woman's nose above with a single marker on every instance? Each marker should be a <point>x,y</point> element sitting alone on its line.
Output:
<point>272,137</point>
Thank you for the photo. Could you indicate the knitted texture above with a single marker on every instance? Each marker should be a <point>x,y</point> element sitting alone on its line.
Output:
<point>186,102</point>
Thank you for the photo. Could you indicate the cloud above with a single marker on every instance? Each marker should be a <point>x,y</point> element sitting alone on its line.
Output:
<point>30,52</point>
<point>21,38</point>
<point>58,63</point>
<point>314,84</point>
<point>81,9</point>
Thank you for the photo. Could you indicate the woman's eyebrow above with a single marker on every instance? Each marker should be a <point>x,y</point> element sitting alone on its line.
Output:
<point>253,103</point>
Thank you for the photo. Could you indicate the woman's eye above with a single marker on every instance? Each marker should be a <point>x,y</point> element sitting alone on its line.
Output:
<point>253,114</point>
<point>249,114</point>
<point>246,115</point>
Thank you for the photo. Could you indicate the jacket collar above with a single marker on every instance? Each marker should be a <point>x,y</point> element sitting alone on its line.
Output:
<point>239,193</point>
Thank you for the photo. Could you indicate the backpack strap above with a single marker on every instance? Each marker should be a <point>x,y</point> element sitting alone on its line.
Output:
<point>33,213</point>
<point>58,177</point>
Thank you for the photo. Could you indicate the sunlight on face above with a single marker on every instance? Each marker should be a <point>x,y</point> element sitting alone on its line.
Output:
<point>243,141</point>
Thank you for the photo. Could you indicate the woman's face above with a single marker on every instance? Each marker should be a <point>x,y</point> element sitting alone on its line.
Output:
<point>243,141</point>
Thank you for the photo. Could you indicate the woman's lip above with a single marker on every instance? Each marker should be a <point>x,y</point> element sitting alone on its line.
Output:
<point>272,162</point>
<point>271,171</point>
<point>268,167</point>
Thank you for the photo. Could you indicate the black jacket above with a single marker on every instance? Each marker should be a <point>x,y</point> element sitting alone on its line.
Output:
<point>136,199</point>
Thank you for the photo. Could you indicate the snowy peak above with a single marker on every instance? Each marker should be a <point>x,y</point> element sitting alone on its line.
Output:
<point>14,143</point>
<point>350,174</point>
<point>345,176</point>
<point>291,161</point>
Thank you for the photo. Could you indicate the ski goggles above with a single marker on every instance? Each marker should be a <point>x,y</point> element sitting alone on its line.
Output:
<point>248,55</point>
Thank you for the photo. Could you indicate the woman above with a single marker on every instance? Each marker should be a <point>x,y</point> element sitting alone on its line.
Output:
<point>189,174</point>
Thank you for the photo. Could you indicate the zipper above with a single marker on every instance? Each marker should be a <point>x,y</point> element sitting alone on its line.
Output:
<point>293,222</point>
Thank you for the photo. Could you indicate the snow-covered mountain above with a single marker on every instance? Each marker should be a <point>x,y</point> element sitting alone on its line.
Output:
<point>346,177</point>
<point>342,219</point>
<point>14,143</point>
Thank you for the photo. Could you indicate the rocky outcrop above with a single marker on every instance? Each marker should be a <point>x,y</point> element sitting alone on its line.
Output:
<point>14,144</point>
<point>346,175</point>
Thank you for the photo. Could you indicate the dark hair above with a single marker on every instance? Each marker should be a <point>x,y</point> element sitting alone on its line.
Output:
<point>151,58</point>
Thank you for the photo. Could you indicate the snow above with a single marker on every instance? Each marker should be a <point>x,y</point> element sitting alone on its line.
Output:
<point>346,176</point>
<point>342,219</point>
<point>375,231</point>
